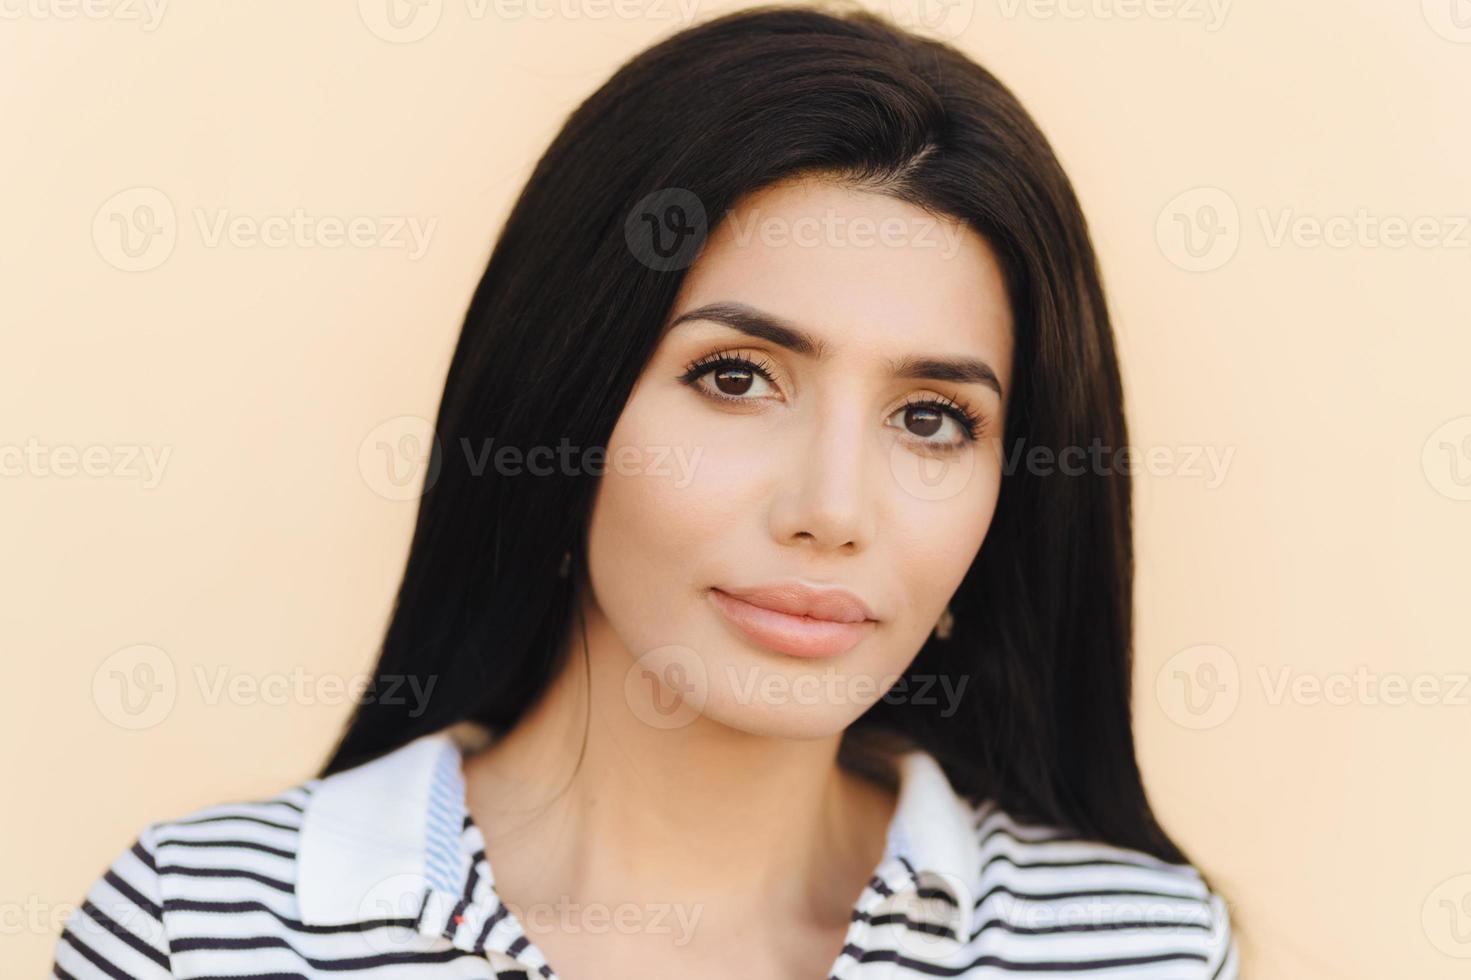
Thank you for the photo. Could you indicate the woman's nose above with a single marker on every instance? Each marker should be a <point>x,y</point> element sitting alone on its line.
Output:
<point>825,498</point>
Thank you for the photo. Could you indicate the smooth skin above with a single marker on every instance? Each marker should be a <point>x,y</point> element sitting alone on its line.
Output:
<point>723,831</point>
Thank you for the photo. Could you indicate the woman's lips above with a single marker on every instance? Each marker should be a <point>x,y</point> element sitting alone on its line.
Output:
<point>797,636</point>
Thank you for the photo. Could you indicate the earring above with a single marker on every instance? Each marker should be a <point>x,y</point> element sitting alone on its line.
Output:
<point>566,563</point>
<point>946,625</point>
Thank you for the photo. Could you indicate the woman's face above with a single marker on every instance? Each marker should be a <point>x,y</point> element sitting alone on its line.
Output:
<point>823,410</point>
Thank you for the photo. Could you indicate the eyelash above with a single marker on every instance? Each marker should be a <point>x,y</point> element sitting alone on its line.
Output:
<point>970,422</point>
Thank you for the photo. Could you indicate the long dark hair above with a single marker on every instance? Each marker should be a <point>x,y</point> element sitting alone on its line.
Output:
<point>569,312</point>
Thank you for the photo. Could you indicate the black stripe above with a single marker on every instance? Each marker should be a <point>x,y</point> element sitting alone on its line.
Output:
<point>348,963</point>
<point>194,821</point>
<point>1041,838</point>
<point>188,872</point>
<point>252,845</point>
<point>132,894</point>
<point>1086,893</point>
<point>1082,927</point>
<point>143,855</point>
<point>490,923</point>
<point>295,925</point>
<point>92,956</point>
<point>900,919</point>
<point>1044,966</point>
<point>107,922</point>
<point>1075,863</point>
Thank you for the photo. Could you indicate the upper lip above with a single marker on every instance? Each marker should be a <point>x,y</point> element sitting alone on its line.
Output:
<point>829,602</point>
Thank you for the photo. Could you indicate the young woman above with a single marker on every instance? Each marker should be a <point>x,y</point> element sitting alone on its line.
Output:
<point>755,639</point>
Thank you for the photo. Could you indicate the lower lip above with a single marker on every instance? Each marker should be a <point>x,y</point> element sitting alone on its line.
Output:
<point>797,636</point>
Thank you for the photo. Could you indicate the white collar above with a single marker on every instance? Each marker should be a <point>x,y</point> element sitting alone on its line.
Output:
<point>383,840</point>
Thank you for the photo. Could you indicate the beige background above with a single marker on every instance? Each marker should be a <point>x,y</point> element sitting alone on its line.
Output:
<point>1332,551</point>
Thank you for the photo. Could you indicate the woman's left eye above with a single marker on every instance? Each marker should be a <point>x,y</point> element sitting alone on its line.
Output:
<point>730,378</point>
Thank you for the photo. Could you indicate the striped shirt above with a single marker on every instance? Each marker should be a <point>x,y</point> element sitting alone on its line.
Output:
<point>379,872</point>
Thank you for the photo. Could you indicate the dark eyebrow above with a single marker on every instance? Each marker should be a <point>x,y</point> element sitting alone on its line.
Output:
<point>764,326</point>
